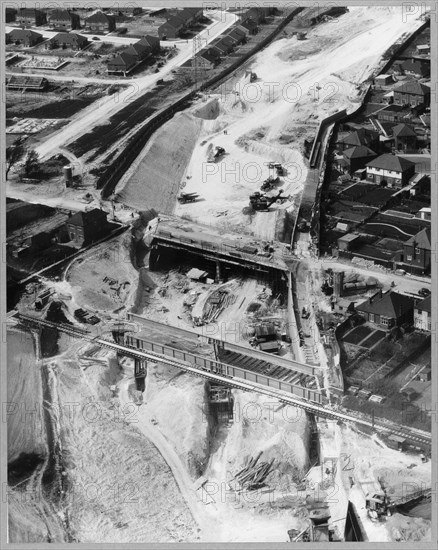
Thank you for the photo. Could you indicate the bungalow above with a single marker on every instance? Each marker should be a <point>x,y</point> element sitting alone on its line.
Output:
<point>387,310</point>
<point>152,42</point>
<point>423,314</point>
<point>68,40</point>
<point>393,113</point>
<point>391,170</point>
<point>417,252</point>
<point>138,51</point>
<point>361,136</point>
<point>64,20</point>
<point>245,30</point>
<point>237,35</point>
<point>222,46</point>
<point>85,227</point>
<point>250,25</point>
<point>205,60</point>
<point>383,80</point>
<point>190,16</point>
<point>355,158</point>
<point>416,68</point>
<point>256,14</point>
<point>100,22</point>
<point>26,37</point>
<point>173,28</point>
<point>412,93</point>
<point>30,17</point>
<point>405,138</point>
<point>126,10</point>
<point>121,64</point>
<point>10,15</point>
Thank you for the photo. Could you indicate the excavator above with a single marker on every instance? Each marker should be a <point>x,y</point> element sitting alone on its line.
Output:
<point>259,201</point>
<point>378,504</point>
<point>269,183</point>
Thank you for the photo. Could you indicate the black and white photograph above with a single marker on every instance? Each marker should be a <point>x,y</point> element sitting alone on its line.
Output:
<point>219,250</point>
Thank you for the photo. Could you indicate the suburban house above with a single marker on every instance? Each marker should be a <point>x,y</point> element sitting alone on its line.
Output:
<point>86,227</point>
<point>423,314</point>
<point>190,15</point>
<point>173,28</point>
<point>405,138</point>
<point>355,158</point>
<point>391,170</point>
<point>256,14</point>
<point>138,51</point>
<point>100,22</point>
<point>64,20</point>
<point>354,138</point>
<point>387,310</point>
<point>30,17</point>
<point>383,80</point>
<point>26,37</point>
<point>152,42</point>
<point>250,25</point>
<point>121,64</point>
<point>68,40</point>
<point>416,68</point>
<point>393,113</point>
<point>417,252</point>
<point>241,28</point>
<point>10,15</point>
<point>237,35</point>
<point>412,93</point>
<point>205,60</point>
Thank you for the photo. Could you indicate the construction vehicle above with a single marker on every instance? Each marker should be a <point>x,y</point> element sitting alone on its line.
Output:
<point>278,167</point>
<point>269,183</point>
<point>317,530</point>
<point>183,198</point>
<point>258,201</point>
<point>215,154</point>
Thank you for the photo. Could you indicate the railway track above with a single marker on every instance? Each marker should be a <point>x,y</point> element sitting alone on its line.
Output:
<point>226,374</point>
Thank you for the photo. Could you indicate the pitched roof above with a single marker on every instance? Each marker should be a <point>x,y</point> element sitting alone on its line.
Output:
<point>137,49</point>
<point>359,151</point>
<point>28,12</point>
<point>125,58</point>
<point>99,17</point>
<point>236,33</point>
<point>208,56</point>
<point>413,87</point>
<point>149,41</point>
<point>361,136</point>
<point>84,218</point>
<point>391,162</point>
<point>403,130</point>
<point>421,240</point>
<point>61,15</point>
<point>21,34</point>
<point>174,22</point>
<point>425,305</point>
<point>69,37</point>
<point>391,304</point>
<point>415,65</point>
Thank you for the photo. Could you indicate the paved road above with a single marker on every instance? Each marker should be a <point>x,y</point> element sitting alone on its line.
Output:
<point>101,110</point>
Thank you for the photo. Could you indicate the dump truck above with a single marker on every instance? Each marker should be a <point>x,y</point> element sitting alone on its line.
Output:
<point>187,197</point>
<point>215,154</point>
<point>269,183</point>
<point>259,201</point>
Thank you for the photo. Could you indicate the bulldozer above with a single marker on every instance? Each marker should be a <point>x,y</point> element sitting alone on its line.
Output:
<point>278,167</point>
<point>215,154</point>
<point>269,183</point>
<point>183,198</point>
<point>259,201</point>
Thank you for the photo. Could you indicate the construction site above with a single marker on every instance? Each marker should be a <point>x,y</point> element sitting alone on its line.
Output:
<point>198,344</point>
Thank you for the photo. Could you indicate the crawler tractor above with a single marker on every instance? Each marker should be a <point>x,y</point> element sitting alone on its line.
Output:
<point>183,198</point>
<point>259,201</point>
<point>269,183</point>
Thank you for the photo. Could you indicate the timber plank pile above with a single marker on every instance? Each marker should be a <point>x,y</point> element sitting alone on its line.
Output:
<point>253,475</point>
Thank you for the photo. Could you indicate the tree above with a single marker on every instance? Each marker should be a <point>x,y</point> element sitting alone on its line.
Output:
<point>31,166</point>
<point>13,154</point>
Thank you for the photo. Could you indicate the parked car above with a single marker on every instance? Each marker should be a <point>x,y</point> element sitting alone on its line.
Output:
<point>424,292</point>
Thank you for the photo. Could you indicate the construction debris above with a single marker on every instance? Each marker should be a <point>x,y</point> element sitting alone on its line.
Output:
<point>253,475</point>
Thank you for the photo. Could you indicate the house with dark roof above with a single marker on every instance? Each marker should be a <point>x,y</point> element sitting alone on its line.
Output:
<point>258,15</point>
<point>121,64</point>
<point>31,17</point>
<point>85,227</point>
<point>405,138</point>
<point>152,42</point>
<point>130,11</point>
<point>417,253</point>
<point>26,82</point>
<point>423,314</point>
<point>100,22</point>
<point>69,40</point>
<point>173,28</point>
<point>138,51</point>
<point>412,93</point>
<point>10,15</point>
<point>355,158</point>
<point>250,25</point>
<point>390,170</point>
<point>190,16</point>
<point>387,310</point>
<point>64,20</point>
<point>416,67</point>
<point>205,60</point>
<point>354,138</point>
<point>393,113</point>
<point>237,35</point>
<point>26,37</point>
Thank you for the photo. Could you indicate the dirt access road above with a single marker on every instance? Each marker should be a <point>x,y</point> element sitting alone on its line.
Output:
<point>106,107</point>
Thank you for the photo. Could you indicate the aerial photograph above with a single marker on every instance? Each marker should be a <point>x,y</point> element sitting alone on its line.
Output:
<point>217,262</point>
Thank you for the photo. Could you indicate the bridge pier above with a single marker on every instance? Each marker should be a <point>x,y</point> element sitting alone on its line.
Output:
<point>218,272</point>
<point>140,371</point>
